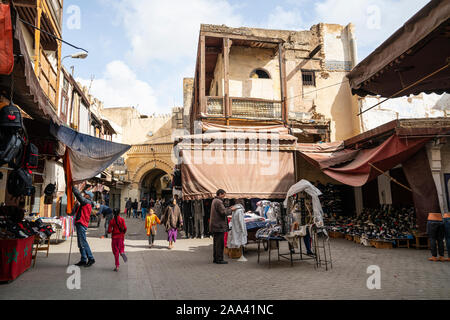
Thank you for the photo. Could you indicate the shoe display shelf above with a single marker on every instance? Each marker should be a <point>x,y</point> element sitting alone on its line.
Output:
<point>419,242</point>
<point>381,244</point>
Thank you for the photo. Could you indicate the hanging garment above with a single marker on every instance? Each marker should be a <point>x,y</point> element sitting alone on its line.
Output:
<point>237,237</point>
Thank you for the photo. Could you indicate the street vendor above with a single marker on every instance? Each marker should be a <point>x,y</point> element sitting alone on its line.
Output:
<point>82,218</point>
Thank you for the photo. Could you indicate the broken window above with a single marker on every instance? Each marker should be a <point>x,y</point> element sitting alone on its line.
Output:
<point>309,78</point>
<point>259,74</point>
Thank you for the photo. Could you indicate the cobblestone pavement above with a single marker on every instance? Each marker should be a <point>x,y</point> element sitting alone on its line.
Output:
<point>187,272</point>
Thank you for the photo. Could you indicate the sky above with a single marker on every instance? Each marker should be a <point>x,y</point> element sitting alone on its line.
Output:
<point>140,50</point>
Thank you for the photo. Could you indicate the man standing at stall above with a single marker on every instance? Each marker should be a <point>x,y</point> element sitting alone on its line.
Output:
<point>219,225</point>
<point>82,218</point>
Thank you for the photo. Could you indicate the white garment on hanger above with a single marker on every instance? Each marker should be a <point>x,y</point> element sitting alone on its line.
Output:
<point>237,237</point>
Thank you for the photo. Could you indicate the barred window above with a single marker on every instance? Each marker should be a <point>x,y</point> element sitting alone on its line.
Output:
<point>309,78</point>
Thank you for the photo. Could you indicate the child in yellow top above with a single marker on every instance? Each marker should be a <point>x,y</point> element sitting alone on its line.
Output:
<point>150,224</point>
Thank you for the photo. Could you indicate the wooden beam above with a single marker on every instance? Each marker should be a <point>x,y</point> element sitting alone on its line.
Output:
<point>241,37</point>
<point>226,77</point>
<point>283,82</point>
<point>202,92</point>
<point>37,39</point>
<point>58,77</point>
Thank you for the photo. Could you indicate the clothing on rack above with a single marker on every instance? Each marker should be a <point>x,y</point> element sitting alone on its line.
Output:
<point>237,237</point>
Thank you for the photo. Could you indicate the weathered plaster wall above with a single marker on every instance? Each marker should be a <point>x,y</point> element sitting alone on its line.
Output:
<point>135,130</point>
<point>420,106</point>
<point>244,60</point>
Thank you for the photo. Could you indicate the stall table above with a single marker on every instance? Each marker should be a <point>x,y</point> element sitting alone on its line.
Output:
<point>15,257</point>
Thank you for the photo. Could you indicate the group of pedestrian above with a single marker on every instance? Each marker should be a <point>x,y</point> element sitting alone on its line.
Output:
<point>132,207</point>
<point>171,219</point>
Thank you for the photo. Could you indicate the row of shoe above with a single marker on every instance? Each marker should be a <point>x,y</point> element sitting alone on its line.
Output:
<point>24,229</point>
<point>386,223</point>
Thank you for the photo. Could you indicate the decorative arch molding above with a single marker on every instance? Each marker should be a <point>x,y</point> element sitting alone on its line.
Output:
<point>144,168</point>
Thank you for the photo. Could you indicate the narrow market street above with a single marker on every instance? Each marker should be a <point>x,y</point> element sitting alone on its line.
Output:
<point>187,273</point>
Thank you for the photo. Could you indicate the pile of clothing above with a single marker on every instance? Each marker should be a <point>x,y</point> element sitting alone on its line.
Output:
<point>386,223</point>
<point>270,231</point>
<point>269,210</point>
<point>24,229</point>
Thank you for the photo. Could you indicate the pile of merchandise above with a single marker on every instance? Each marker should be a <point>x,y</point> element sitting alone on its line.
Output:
<point>386,224</point>
<point>331,199</point>
<point>13,226</point>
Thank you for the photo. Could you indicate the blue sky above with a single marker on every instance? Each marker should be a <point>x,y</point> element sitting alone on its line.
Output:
<point>140,50</point>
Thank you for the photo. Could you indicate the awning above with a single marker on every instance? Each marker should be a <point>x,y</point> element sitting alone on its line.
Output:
<point>420,47</point>
<point>246,165</point>
<point>359,170</point>
<point>28,93</point>
<point>210,127</point>
<point>89,156</point>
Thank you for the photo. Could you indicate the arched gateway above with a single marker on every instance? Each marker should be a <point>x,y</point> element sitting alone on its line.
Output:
<point>150,171</point>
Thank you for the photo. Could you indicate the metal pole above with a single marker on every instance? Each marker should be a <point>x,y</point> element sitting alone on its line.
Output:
<point>70,251</point>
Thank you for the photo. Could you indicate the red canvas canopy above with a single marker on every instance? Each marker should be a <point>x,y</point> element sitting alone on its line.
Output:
<point>354,167</point>
<point>6,40</point>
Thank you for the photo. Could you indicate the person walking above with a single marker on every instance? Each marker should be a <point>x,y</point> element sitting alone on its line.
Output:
<point>447,234</point>
<point>82,217</point>
<point>436,233</point>
<point>134,206</point>
<point>218,225</point>
<point>118,228</point>
<point>151,221</point>
<point>144,208</point>
<point>172,220</point>
<point>128,207</point>
<point>107,214</point>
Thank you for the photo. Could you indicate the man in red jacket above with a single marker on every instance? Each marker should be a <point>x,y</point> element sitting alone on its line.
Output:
<point>82,217</point>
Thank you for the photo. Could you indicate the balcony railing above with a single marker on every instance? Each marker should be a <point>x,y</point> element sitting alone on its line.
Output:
<point>215,106</point>
<point>249,108</point>
<point>47,79</point>
<point>255,108</point>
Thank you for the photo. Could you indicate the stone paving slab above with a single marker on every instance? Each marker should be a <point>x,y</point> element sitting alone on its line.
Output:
<point>187,273</point>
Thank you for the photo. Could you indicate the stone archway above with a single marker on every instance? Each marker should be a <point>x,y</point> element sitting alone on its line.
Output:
<point>148,166</point>
<point>141,160</point>
<point>155,184</point>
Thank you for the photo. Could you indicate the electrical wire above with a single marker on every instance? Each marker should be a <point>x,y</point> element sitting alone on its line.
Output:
<point>51,35</point>
<point>305,93</point>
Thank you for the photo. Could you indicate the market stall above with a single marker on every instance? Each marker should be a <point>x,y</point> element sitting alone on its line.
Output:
<point>18,236</point>
<point>302,221</point>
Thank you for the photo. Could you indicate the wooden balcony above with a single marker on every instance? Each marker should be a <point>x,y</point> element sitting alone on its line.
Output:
<point>244,108</point>
<point>51,18</point>
<point>48,79</point>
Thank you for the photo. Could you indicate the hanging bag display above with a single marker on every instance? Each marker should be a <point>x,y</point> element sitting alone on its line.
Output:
<point>31,157</point>
<point>20,183</point>
<point>12,140</point>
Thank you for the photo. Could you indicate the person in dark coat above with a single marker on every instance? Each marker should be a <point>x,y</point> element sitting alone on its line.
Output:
<point>218,225</point>
<point>135,206</point>
<point>128,206</point>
